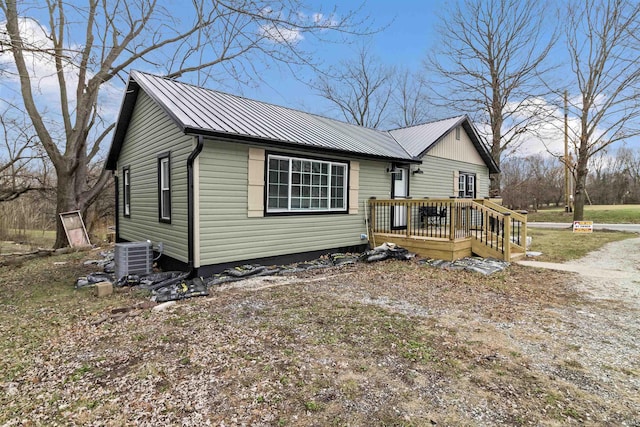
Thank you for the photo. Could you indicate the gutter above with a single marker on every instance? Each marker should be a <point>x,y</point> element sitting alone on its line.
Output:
<point>117,194</point>
<point>190,204</point>
<point>253,140</point>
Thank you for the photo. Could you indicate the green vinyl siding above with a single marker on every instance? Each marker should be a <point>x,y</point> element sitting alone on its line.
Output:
<point>151,132</point>
<point>227,234</point>
<point>437,181</point>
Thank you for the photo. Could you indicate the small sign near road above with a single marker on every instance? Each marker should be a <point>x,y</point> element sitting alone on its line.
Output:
<point>583,226</point>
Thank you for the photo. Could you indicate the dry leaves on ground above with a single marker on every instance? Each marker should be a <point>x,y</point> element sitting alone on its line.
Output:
<point>391,343</point>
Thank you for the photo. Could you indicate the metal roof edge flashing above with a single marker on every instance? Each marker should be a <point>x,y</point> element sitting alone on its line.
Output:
<point>250,139</point>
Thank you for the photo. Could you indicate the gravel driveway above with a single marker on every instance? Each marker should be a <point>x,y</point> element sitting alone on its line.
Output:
<point>611,273</point>
<point>601,338</point>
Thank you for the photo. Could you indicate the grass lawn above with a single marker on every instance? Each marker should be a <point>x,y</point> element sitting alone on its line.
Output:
<point>607,214</point>
<point>559,245</point>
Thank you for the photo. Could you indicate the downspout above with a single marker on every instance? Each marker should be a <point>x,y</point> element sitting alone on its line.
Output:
<point>190,204</point>
<point>117,193</point>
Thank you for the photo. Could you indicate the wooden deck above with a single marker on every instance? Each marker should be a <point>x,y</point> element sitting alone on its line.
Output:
<point>449,229</point>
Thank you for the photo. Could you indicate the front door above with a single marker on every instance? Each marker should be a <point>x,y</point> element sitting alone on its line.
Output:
<point>400,190</point>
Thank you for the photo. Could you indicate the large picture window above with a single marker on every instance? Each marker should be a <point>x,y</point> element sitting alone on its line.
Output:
<point>467,185</point>
<point>305,185</point>
<point>126,192</point>
<point>164,188</point>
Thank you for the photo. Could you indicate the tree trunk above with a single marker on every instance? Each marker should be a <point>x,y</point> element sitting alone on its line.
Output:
<point>496,150</point>
<point>581,182</point>
<point>494,188</point>
<point>65,202</point>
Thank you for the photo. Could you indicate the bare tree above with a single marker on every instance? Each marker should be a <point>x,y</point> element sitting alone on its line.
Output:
<point>488,64</point>
<point>18,157</point>
<point>88,45</point>
<point>604,50</point>
<point>532,181</point>
<point>410,101</point>
<point>360,89</point>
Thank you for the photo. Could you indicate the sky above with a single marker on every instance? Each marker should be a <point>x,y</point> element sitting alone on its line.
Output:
<point>407,32</point>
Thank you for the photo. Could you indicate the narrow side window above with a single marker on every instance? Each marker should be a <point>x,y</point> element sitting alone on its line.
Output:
<point>164,188</point>
<point>126,192</point>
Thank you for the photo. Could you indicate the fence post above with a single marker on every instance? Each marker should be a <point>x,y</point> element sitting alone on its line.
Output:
<point>506,238</point>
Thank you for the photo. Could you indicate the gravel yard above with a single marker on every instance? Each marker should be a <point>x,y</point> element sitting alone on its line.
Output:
<point>391,343</point>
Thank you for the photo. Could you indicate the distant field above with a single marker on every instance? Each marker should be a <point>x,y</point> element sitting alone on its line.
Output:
<point>17,241</point>
<point>607,214</point>
<point>26,240</point>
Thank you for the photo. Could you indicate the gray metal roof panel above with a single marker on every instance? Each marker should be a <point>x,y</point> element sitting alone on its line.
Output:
<point>212,111</point>
<point>416,139</point>
<point>419,139</point>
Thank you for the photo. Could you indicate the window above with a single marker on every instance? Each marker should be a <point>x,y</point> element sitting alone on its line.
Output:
<point>126,192</point>
<point>305,185</point>
<point>458,132</point>
<point>467,185</point>
<point>164,188</point>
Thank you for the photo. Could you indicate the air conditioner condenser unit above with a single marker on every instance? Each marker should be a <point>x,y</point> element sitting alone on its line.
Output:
<point>133,258</point>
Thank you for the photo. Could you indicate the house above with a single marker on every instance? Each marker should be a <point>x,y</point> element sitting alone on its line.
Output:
<point>221,180</point>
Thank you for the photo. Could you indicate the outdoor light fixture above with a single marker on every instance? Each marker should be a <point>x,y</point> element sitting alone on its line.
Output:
<point>393,170</point>
<point>417,171</point>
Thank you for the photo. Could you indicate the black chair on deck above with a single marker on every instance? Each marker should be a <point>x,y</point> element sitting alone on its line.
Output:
<point>432,215</point>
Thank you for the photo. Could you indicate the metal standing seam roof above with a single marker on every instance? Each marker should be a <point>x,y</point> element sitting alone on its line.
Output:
<point>419,139</point>
<point>195,108</point>
<point>416,139</point>
<point>203,111</point>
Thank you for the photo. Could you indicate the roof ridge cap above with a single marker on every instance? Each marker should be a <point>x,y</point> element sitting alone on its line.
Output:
<point>428,123</point>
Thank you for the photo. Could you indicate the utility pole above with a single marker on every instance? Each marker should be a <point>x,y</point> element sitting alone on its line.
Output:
<point>567,204</point>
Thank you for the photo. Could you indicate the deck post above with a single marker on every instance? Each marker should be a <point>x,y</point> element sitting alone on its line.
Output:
<point>506,238</point>
<point>523,230</point>
<point>452,221</point>
<point>372,215</point>
<point>408,215</point>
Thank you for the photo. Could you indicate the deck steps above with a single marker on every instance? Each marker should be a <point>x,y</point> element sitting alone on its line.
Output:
<point>470,227</point>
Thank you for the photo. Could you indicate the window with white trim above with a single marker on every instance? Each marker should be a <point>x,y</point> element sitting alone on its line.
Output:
<point>126,191</point>
<point>305,185</point>
<point>164,188</point>
<point>467,185</point>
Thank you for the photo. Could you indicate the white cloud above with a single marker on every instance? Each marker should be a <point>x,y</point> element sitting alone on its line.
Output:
<point>279,34</point>
<point>325,21</point>
<point>547,136</point>
<point>283,34</point>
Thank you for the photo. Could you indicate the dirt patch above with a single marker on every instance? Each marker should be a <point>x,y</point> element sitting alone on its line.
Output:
<point>391,343</point>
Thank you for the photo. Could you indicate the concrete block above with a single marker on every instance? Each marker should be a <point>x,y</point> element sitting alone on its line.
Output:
<point>104,289</point>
